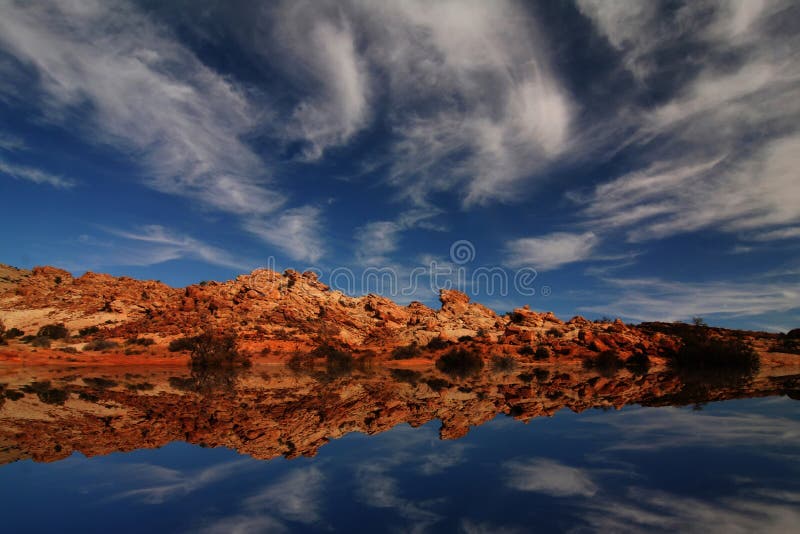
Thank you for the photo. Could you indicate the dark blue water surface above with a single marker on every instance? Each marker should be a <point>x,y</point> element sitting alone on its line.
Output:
<point>731,466</point>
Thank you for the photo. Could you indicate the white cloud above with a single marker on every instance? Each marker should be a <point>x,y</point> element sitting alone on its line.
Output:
<point>550,251</point>
<point>295,497</point>
<point>375,240</point>
<point>792,232</point>
<point>324,49</point>
<point>140,91</point>
<point>30,174</point>
<point>163,484</point>
<point>650,299</point>
<point>542,475</point>
<point>710,170</point>
<point>160,245</point>
<point>470,90</point>
<point>295,231</point>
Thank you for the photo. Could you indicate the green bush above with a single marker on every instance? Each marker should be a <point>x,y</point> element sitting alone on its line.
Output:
<point>460,363</point>
<point>53,331</point>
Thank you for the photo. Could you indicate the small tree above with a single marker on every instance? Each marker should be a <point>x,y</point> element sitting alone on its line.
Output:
<point>699,322</point>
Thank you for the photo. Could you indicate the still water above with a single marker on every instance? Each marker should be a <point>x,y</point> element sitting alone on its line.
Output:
<point>277,450</point>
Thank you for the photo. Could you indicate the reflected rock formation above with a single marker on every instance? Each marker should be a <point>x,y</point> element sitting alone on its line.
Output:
<point>47,413</point>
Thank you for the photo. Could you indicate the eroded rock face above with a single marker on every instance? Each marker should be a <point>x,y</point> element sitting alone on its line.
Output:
<point>296,312</point>
<point>49,413</point>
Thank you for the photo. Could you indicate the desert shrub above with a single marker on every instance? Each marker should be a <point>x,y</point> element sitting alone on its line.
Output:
<point>142,341</point>
<point>130,351</point>
<point>503,363</point>
<point>14,395</point>
<point>100,345</point>
<point>88,331</point>
<point>180,344</point>
<point>2,328</point>
<point>53,331</point>
<point>41,342</point>
<point>460,363</point>
<point>438,344</point>
<point>526,350</point>
<point>216,350</point>
<point>464,339</point>
<point>69,350</point>
<point>555,332</point>
<point>607,363</point>
<point>516,317</point>
<point>14,332</point>
<point>638,363</point>
<point>542,353</point>
<point>144,386</point>
<point>406,352</point>
<point>99,382</point>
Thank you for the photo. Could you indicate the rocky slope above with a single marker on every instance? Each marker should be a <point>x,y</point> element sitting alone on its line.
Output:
<point>280,314</point>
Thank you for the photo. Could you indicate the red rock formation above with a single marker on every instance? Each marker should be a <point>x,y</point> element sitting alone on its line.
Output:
<point>295,311</point>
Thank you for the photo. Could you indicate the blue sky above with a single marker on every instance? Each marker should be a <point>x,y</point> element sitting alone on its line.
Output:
<point>640,157</point>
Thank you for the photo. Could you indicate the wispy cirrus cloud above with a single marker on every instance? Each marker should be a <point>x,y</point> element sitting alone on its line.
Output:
<point>552,250</point>
<point>297,232</point>
<point>702,168</point>
<point>543,475</point>
<point>649,299</point>
<point>476,108</point>
<point>145,93</point>
<point>37,176</point>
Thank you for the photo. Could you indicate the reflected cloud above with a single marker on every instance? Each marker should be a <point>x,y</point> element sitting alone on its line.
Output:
<point>643,510</point>
<point>164,484</point>
<point>296,497</point>
<point>542,475</point>
<point>669,428</point>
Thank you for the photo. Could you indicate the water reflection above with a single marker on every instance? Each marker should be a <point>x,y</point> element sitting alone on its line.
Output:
<point>266,412</point>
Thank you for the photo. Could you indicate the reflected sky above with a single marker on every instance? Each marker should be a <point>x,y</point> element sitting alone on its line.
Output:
<point>729,467</point>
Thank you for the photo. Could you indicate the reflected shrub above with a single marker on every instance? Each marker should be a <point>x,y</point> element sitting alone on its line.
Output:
<point>638,363</point>
<point>460,363</point>
<point>41,342</point>
<point>46,392</point>
<point>607,363</point>
<point>406,352</point>
<point>503,364</point>
<point>12,333</point>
